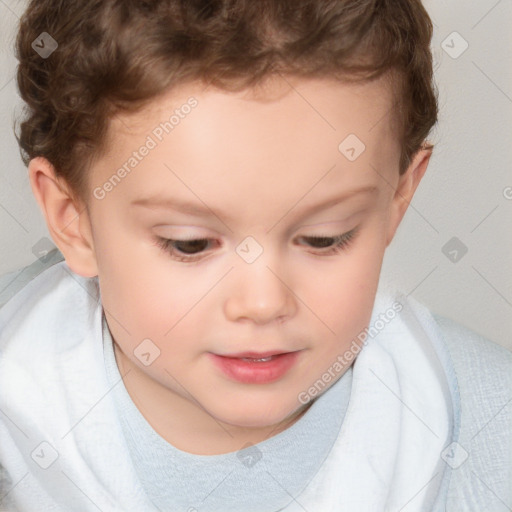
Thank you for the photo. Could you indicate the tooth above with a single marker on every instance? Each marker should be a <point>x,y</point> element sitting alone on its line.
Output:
<point>263,359</point>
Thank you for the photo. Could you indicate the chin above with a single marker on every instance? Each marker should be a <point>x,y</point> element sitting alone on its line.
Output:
<point>249,415</point>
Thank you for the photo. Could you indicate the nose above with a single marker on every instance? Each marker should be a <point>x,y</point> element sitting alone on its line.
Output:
<point>259,293</point>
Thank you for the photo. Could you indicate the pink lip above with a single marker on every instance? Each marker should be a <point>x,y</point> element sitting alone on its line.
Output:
<point>253,372</point>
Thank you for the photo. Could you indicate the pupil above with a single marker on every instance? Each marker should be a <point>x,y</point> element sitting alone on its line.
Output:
<point>194,243</point>
<point>323,242</point>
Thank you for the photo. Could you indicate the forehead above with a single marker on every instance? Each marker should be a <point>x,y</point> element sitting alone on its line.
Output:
<point>285,133</point>
<point>330,104</point>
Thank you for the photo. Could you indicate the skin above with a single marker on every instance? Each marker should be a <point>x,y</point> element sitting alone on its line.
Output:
<point>259,160</point>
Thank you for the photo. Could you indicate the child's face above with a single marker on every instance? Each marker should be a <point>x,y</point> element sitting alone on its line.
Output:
<point>260,170</point>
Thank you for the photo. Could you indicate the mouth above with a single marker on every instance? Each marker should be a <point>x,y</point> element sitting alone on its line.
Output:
<point>256,367</point>
<point>256,356</point>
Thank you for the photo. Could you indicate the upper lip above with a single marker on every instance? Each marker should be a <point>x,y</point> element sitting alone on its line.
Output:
<point>255,355</point>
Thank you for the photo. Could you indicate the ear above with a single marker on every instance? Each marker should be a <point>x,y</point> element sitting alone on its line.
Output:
<point>405,190</point>
<point>68,223</point>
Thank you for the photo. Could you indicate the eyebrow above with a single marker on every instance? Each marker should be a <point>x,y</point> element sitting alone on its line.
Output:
<point>202,210</point>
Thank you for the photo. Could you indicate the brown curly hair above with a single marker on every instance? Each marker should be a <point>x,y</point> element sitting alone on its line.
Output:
<point>118,55</point>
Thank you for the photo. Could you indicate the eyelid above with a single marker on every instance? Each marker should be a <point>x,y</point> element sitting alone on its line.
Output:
<point>201,234</point>
<point>344,220</point>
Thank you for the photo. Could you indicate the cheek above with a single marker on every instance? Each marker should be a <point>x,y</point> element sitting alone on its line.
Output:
<point>131,290</point>
<point>146,294</point>
<point>342,294</point>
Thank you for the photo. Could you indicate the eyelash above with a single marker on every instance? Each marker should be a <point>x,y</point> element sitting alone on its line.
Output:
<point>341,243</point>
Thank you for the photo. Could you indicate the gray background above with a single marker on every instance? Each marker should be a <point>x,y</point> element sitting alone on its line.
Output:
<point>465,199</point>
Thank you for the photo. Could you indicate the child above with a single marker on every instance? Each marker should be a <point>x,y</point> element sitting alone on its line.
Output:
<point>213,334</point>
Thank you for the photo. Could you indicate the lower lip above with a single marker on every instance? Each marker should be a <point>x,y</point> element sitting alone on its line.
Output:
<point>254,372</point>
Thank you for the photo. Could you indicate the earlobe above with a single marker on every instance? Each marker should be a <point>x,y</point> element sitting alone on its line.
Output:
<point>68,223</point>
<point>404,192</point>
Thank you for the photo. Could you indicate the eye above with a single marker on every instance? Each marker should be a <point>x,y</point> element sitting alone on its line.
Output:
<point>187,249</point>
<point>335,244</point>
<point>191,250</point>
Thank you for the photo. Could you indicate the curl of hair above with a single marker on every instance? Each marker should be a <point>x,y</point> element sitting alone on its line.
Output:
<point>119,55</point>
